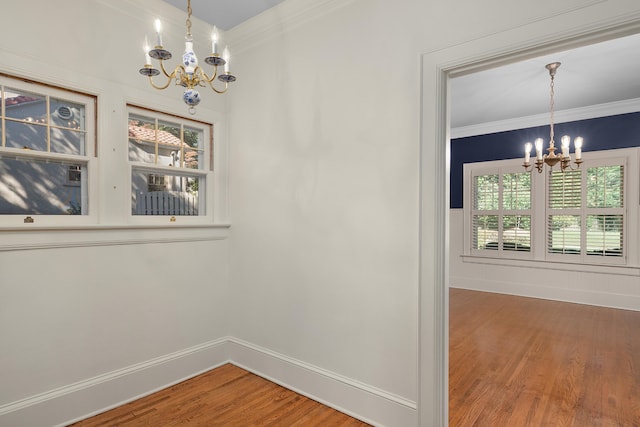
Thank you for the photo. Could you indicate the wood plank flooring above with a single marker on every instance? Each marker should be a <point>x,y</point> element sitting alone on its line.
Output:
<point>521,362</point>
<point>226,396</point>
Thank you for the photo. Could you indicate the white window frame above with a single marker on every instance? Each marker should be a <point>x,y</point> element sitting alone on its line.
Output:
<point>539,237</point>
<point>87,159</point>
<point>206,172</point>
<point>500,169</point>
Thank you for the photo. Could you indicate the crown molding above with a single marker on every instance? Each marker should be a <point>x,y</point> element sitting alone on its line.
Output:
<point>281,18</point>
<point>584,113</point>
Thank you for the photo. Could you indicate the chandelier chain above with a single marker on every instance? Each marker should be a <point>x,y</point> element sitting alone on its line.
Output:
<point>551,108</point>
<point>189,18</point>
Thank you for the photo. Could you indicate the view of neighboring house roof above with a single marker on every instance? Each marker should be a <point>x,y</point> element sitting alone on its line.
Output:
<point>149,134</point>
<point>142,134</point>
<point>20,99</point>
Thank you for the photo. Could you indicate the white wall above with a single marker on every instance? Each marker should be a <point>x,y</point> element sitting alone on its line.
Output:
<point>324,197</point>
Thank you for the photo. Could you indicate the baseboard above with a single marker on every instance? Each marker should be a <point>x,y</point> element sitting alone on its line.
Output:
<point>579,296</point>
<point>369,404</point>
<point>77,401</point>
<point>81,400</point>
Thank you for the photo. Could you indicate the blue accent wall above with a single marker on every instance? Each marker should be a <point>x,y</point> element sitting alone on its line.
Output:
<point>603,133</point>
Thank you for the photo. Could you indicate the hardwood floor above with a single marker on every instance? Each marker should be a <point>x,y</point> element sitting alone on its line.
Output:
<point>226,396</point>
<point>517,361</point>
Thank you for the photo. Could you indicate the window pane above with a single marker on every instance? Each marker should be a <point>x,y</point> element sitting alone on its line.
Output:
<point>565,190</point>
<point>32,187</point>
<point>516,234</point>
<point>25,106</point>
<point>604,235</point>
<point>67,114</point>
<point>194,149</point>
<point>605,187</point>
<point>485,232</point>
<point>67,127</point>
<point>159,193</point>
<point>516,191</point>
<point>26,135</point>
<point>564,234</point>
<point>67,141</point>
<point>142,139</point>
<point>486,192</point>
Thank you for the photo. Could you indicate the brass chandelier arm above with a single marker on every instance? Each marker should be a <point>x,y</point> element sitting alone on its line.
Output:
<point>170,78</point>
<point>164,71</point>
<point>211,80</point>
<point>205,77</point>
<point>226,86</point>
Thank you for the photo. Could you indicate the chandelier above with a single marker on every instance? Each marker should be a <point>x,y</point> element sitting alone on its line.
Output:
<point>551,159</point>
<point>188,74</point>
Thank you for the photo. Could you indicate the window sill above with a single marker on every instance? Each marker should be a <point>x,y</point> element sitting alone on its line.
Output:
<point>112,235</point>
<point>563,266</point>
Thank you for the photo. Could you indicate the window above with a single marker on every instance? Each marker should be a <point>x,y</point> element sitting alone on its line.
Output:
<point>47,150</point>
<point>75,175</point>
<point>501,217</point>
<point>171,164</point>
<point>586,212</point>
<point>576,216</point>
<point>156,182</point>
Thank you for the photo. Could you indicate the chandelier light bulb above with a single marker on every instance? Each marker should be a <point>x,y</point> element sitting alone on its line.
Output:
<point>158,26</point>
<point>578,146</point>
<point>147,58</point>
<point>527,152</point>
<point>566,140</point>
<point>214,40</point>
<point>538,143</point>
<point>226,56</point>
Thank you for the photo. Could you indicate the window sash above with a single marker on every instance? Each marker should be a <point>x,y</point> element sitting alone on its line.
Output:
<point>171,167</point>
<point>501,214</point>
<point>578,201</point>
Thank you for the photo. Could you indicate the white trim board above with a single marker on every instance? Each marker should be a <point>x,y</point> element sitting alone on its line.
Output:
<point>92,396</point>
<point>344,394</point>
<point>84,399</point>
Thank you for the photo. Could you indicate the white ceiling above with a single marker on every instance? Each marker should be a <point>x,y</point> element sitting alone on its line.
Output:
<point>592,75</point>
<point>225,14</point>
